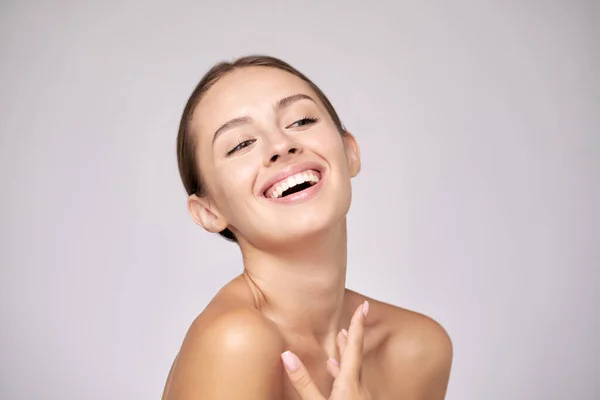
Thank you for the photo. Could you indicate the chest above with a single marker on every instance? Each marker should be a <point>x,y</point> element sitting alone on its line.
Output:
<point>371,377</point>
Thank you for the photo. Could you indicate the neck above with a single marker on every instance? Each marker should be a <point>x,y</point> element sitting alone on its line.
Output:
<point>302,289</point>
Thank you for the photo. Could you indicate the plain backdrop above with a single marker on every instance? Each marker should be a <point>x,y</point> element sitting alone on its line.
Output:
<point>477,203</point>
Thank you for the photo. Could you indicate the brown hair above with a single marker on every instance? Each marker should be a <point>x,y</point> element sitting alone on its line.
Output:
<point>186,145</point>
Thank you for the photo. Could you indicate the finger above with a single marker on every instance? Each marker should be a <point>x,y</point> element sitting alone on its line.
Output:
<point>352,357</point>
<point>301,380</point>
<point>341,340</point>
<point>333,366</point>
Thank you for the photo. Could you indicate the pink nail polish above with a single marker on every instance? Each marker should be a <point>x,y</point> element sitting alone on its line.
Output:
<point>289,360</point>
<point>345,332</point>
<point>365,308</point>
<point>334,361</point>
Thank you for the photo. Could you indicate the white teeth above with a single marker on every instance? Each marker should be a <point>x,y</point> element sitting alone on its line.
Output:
<point>306,176</point>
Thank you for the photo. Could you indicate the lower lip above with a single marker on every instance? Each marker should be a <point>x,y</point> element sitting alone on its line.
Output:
<point>301,196</point>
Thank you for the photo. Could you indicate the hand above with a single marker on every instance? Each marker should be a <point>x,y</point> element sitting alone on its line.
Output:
<point>347,384</point>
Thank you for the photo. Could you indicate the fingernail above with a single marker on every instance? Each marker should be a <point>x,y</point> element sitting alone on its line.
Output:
<point>334,361</point>
<point>345,332</point>
<point>365,308</point>
<point>289,360</point>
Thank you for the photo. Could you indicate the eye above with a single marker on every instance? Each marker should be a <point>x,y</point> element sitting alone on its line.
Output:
<point>303,122</point>
<point>241,145</point>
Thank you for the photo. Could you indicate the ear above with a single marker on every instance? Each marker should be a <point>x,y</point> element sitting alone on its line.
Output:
<point>205,214</point>
<point>352,153</point>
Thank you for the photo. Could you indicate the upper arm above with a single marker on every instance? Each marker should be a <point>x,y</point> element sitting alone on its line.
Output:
<point>420,360</point>
<point>235,357</point>
<point>436,363</point>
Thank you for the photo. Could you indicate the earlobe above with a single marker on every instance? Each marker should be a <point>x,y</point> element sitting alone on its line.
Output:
<point>353,154</point>
<point>204,215</point>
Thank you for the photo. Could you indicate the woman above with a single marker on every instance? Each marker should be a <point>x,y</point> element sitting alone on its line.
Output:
<point>267,163</point>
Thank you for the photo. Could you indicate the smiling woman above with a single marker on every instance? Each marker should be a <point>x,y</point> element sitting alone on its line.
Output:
<point>268,164</point>
<point>186,142</point>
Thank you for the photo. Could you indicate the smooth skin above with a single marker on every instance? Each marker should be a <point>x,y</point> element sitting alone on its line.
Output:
<point>291,295</point>
<point>347,384</point>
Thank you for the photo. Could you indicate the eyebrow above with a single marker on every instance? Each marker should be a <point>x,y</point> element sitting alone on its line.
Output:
<point>280,105</point>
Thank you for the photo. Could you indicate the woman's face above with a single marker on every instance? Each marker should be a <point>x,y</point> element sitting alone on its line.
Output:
<point>274,164</point>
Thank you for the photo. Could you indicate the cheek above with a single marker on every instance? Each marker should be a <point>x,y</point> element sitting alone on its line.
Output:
<point>236,180</point>
<point>330,146</point>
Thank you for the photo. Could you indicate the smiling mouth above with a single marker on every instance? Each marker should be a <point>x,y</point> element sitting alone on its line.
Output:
<point>293,184</point>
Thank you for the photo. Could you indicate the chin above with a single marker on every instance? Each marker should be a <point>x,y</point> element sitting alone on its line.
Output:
<point>281,225</point>
<point>298,226</point>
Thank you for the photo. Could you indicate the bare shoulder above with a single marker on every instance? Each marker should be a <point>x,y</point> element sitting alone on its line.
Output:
<point>415,350</point>
<point>230,351</point>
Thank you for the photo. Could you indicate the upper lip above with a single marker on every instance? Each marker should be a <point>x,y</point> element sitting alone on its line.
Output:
<point>289,171</point>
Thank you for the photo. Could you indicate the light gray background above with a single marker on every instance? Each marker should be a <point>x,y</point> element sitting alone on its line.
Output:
<point>477,203</point>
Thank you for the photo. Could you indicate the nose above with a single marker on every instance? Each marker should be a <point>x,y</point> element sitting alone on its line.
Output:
<point>280,148</point>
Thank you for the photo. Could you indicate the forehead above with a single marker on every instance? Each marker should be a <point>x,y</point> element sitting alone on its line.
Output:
<point>246,91</point>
